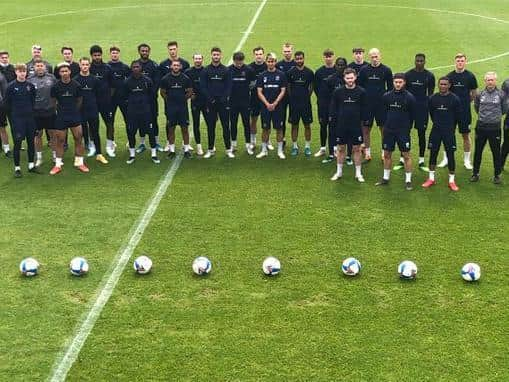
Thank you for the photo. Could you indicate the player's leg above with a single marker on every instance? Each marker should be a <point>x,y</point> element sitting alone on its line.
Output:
<point>266,122</point>
<point>366,132</point>
<point>170,130</point>
<point>211,120</point>
<point>18,135</point>
<point>494,142</point>
<point>403,139</point>
<point>307,119</point>
<point>434,147</point>
<point>30,138</point>
<point>244,115</point>
<point>464,128</point>
<point>4,137</point>
<point>58,136</point>
<point>149,129</point>
<point>349,151</point>
<point>323,120</point>
<point>234,120</point>
<point>93,126</point>
<point>77,134</point>
<point>355,140</point>
<point>388,145</point>
<point>340,160</point>
<point>132,129</point>
<point>450,148</point>
<point>196,109</point>
<point>505,145</point>
<point>183,121</point>
<point>86,135</point>
<point>480,141</point>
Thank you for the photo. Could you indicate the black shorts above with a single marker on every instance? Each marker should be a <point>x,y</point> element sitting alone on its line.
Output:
<point>63,122</point>
<point>255,105</point>
<point>140,122</point>
<point>177,116</point>
<point>22,127</point>
<point>46,122</point>
<point>300,112</point>
<point>438,136</point>
<point>421,117</point>
<point>323,111</point>
<point>465,119</point>
<point>272,119</point>
<point>3,116</point>
<point>402,138</point>
<point>375,111</point>
<point>348,135</point>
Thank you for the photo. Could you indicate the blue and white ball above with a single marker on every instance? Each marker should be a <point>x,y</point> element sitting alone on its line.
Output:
<point>142,265</point>
<point>351,266</point>
<point>29,267</point>
<point>78,266</point>
<point>407,270</point>
<point>271,266</point>
<point>471,272</point>
<point>202,266</point>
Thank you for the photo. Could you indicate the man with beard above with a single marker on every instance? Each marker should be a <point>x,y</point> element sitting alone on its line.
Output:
<point>198,102</point>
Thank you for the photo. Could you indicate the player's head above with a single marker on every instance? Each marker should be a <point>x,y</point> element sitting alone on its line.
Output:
<point>136,68</point>
<point>21,72</point>
<point>238,59</point>
<point>64,71</point>
<point>216,54</point>
<point>144,51</point>
<point>173,49</point>
<point>399,81</point>
<point>176,66</point>
<point>490,80</point>
<point>258,53</point>
<point>4,57</point>
<point>299,58</point>
<point>375,56</point>
<point>39,67</point>
<point>350,76</point>
<point>444,84</point>
<point>271,60</point>
<point>84,65</point>
<point>358,55</point>
<point>96,52</point>
<point>287,51</point>
<point>114,53</point>
<point>198,60</point>
<point>460,61</point>
<point>340,64</point>
<point>67,53</point>
<point>328,57</point>
<point>36,51</point>
<point>420,61</point>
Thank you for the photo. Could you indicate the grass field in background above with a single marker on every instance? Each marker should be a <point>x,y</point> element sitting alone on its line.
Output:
<point>308,323</point>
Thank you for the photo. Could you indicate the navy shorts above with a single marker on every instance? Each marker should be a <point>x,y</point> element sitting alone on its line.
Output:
<point>349,135</point>
<point>421,117</point>
<point>177,116</point>
<point>300,112</point>
<point>272,119</point>
<point>390,138</point>
<point>63,122</point>
<point>22,127</point>
<point>375,111</point>
<point>438,136</point>
<point>44,122</point>
<point>464,122</point>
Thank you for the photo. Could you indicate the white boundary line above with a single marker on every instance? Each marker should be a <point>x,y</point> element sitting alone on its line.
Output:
<point>64,363</point>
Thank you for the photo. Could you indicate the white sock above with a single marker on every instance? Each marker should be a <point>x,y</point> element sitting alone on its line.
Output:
<point>432,175</point>
<point>252,138</point>
<point>294,145</point>
<point>280,147</point>
<point>451,178</point>
<point>358,171</point>
<point>142,140</point>
<point>368,152</point>
<point>186,148</point>
<point>58,162</point>
<point>132,152</point>
<point>408,177</point>
<point>54,154</point>
<point>340,169</point>
<point>264,146</point>
<point>109,143</point>
<point>38,155</point>
<point>78,160</point>
<point>153,152</point>
<point>387,174</point>
<point>17,168</point>
<point>6,148</point>
<point>172,147</point>
<point>234,143</point>
<point>308,144</point>
<point>31,165</point>
<point>421,160</point>
<point>466,156</point>
<point>323,148</point>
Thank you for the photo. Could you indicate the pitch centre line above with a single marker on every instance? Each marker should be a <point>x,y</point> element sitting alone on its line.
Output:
<point>64,362</point>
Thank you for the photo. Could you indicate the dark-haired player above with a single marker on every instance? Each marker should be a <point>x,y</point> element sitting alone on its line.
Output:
<point>399,105</point>
<point>20,100</point>
<point>119,73</point>
<point>66,94</point>
<point>7,70</point>
<point>258,66</point>
<point>68,56</point>
<point>198,102</point>
<point>215,85</point>
<point>242,75</point>
<point>285,65</point>
<point>138,90</point>
<point>323,97</point>
<point>271,86</point>
<point>300,87</point>
<point>358,60</point>
<point>445,111</point>
<point>173,55</point>
<point>376,79</point>
<point>176,89</point>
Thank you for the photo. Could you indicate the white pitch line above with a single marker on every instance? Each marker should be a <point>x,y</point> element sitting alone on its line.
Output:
<point>65,362</point>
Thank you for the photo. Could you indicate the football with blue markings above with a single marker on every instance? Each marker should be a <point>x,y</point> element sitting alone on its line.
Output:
<point>142,265</point>
<point>202,266</point>
<point>407,270</point>
<point>351,266</point>
<point>271,266</point>
<point>471,272</point>
<point>78,266</point>
<point>29,267</point>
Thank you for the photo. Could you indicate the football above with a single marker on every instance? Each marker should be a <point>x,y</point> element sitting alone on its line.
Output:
<point>142,265</point>
<point>271,266</point>
<point>351,266</point>
<point>78,266</point>
<point>29,267</point>
<point>407,270</point>
<point>471,272</point>
<point>202,266</point>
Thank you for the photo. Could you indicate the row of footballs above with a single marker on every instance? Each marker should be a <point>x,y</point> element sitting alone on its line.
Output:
<point>271,266</point>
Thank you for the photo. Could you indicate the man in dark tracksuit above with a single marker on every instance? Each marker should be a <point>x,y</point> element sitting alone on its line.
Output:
<point>259,66</point>
<point>20,100</point>
<point>490,104</point>
<point>198,102</point>
<point>138,90</point>
<point>7,70</point>
<point>242,76</point>
<point>119,73</point>
<point>505,146</point>
<point>3,117</point>
<point>285,65</point>
<point>216,84</point>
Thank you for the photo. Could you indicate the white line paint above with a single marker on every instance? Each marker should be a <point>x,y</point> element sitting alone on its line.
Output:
<point>64,362</point>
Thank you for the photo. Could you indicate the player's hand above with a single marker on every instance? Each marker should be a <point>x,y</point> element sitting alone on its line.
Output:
<point>271,107</point>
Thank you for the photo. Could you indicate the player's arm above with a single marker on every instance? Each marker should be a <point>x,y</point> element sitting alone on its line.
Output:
<point>188,88</point>
<point>388,79</point>
<point>259,91</point>
<point>457,111</point>
<point>311,83</point>
<point>162,91</point>
<point>228,85</point>
<point>280,96</point>
<point>431,84</point>
<point>473,88</point>
<point>333,108</point>
<point>316,82</point>
<point>412,108</point>
<point>204,84</point>
<point>477,102</point>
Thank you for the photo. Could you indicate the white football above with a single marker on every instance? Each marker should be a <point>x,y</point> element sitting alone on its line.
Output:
<point>142,265</point>
<point>351,266</point>
<point>78,266</point>
<point>29,267</point>
<point>471,272</point>
<point>407,270</point>
<point>271,266</point>
<point>202,265</point>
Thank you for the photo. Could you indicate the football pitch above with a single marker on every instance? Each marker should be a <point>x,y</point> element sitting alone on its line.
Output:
<point>310,323</point>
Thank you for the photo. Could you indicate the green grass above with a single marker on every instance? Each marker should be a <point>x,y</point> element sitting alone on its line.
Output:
<point>308,323</point>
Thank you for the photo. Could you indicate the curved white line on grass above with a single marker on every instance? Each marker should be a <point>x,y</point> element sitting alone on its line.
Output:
<point>110,280</point>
